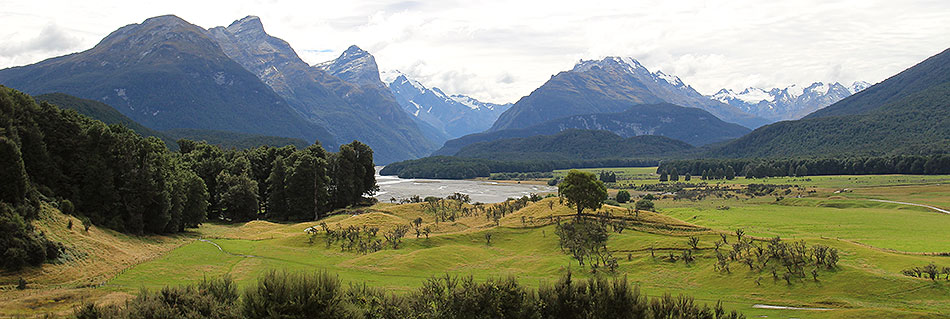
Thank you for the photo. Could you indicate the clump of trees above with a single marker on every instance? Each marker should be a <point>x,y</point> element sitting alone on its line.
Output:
<point>322,295</point>
<point>608,177</point>
<point>281,183</point>
<point>930,271</point>
<point>784,260</point>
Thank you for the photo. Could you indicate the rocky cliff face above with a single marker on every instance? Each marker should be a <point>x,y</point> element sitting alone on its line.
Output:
<point>345,94</point>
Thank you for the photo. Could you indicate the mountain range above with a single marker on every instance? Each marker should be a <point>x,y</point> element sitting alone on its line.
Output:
<point>909,113</point>
<point>790,103</point>
<point>166,73</point>
<point>344,95</point>
<point>172,76</point>
<point>453,115</point>
<point>611,85</point>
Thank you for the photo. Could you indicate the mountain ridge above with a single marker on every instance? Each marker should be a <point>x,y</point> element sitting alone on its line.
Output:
<point>166,73</point>
<point>694,126</point>
<point>611,85</point>
<point>352,103</point>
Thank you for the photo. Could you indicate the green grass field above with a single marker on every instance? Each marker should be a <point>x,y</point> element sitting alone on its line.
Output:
<point>647,175</point>
<point>876,240</point>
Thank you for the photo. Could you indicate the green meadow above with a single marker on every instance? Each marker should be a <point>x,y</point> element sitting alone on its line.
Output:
<point>876,241</point>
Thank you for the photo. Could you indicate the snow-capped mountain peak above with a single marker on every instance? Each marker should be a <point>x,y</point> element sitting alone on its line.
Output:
<point>454,115</point>
<point>858,86</point>
<point>671,79</point>
<point>792,102</point>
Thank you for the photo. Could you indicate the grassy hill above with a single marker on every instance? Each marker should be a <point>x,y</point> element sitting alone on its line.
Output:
<point>876,241</point>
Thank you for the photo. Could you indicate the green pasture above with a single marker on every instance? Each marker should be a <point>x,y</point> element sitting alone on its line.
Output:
<point>867,283</point>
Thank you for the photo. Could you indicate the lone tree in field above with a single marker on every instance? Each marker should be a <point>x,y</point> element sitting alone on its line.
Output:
<point>623,196</point>
<point>582,190</point>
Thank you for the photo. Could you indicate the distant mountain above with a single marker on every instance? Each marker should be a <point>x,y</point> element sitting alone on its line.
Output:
<point>574,144</point>
<point>691,125</point>
<point>791,103</point>
<point>908,113</point>
<point>345,95</point>
<point>455,115</point>
<point>109,115</point>
<point>166,73</point>
<point>611,85</point>
<point>922,76</point>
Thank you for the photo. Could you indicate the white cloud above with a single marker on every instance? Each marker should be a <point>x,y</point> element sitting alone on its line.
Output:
<point>501,50</point>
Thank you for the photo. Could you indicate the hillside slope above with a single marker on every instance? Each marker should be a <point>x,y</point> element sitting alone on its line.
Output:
<point>691,125</point>
<point>929,73</point>
<point>109,115</point>
<point>574,144</point>
<point>918,123</point>
<point>166,73</point>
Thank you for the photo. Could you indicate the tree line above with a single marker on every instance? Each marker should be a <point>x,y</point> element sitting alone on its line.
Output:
<point>759,168</point>
<point>321,295</point>
<point>115,178</point>
<point>450,167</point>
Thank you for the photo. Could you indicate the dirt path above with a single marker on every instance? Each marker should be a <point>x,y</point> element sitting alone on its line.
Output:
<point>905,203</point>
<point>224,251</point>
<point>760,306</point>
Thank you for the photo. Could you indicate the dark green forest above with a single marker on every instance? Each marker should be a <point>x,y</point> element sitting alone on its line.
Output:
<point>758,168</point>
<point>450,167</point>
<point>110,176</point>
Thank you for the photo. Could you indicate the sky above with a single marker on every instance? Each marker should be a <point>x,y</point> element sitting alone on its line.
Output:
<point>500,51</point>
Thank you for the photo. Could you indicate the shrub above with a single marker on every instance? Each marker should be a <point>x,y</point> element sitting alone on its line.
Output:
<point>67,207</point>
<point>644,204</point>
<point>623,196</point>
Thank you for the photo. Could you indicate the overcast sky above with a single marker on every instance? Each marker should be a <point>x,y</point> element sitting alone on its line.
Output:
<point>500,51</point>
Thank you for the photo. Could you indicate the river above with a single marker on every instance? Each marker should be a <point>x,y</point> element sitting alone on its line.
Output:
<point>479,191</point>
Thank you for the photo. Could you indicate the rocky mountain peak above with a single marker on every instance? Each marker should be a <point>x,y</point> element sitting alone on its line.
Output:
<point>354,66</point>
<point>247,24</point>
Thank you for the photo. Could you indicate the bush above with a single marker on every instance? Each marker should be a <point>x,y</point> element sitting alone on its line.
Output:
<point>208,299</point>
<point>21,284</point>
<point>67,207</point>
<point>644,204</point>
<point>623,196</point>
<point>284,295</point>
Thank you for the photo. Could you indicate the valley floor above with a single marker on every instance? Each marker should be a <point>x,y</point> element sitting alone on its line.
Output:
<point>877,240</point>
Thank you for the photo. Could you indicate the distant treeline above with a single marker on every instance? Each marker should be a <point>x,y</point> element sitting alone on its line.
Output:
<point>450,167</point>
<point>758,168</point>
<point>112,177</point>
<point>320,295</point>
